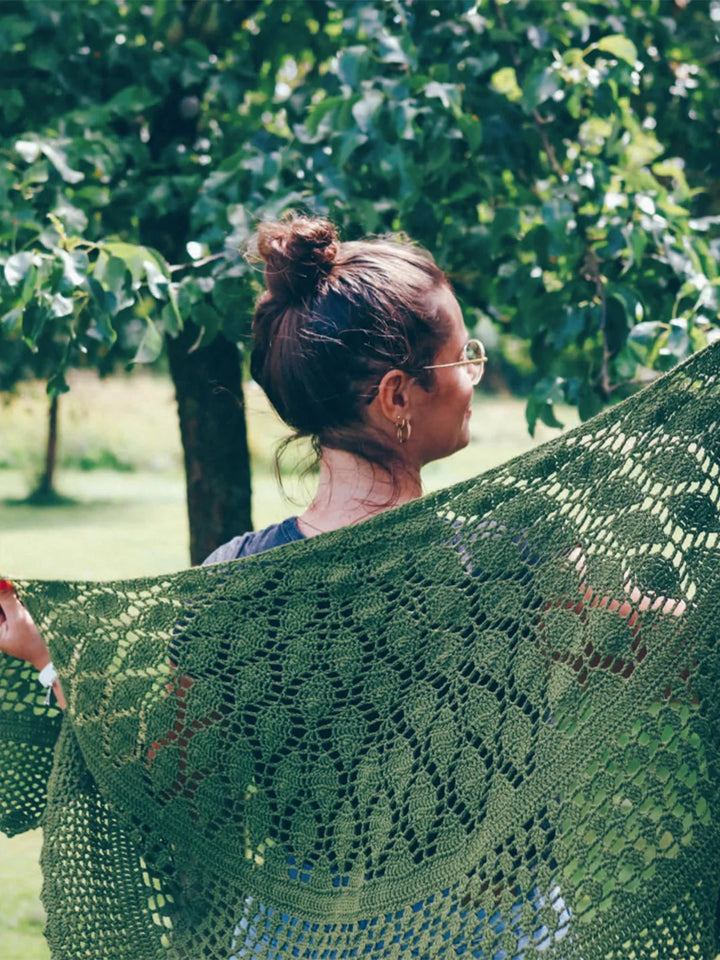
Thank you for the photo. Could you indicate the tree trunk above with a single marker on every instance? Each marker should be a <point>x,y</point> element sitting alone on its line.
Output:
<point>208,388</point>
<point>45,490</point>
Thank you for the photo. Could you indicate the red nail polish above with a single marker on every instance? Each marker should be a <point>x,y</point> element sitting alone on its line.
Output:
<point>5,585</point>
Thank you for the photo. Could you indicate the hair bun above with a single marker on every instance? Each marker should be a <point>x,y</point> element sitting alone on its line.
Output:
<point>298,253</point>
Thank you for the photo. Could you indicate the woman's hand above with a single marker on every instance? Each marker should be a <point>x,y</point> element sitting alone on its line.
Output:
<point>19,637</point>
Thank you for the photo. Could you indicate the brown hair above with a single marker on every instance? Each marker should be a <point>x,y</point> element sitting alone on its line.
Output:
<point>334,318</point>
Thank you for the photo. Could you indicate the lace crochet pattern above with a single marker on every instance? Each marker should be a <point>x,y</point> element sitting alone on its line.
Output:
<point>484,724</point>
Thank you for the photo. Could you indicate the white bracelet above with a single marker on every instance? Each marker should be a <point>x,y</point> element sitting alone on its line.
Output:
<point>47,677</point>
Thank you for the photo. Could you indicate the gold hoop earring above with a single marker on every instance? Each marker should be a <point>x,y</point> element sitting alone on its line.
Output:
<point>403,430</point>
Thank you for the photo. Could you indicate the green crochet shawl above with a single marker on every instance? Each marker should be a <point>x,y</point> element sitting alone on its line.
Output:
<point>485,724</point>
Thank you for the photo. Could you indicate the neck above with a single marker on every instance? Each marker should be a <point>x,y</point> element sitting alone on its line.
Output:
<point>351,490</point>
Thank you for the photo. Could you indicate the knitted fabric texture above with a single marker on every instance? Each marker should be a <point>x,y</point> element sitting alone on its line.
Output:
<point>484,724</point>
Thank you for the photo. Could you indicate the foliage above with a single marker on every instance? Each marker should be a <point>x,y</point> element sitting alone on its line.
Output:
<point>558,159</point>
<point>125,104</point>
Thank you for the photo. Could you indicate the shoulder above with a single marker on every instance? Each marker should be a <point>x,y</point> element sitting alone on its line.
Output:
<point>257,541</point>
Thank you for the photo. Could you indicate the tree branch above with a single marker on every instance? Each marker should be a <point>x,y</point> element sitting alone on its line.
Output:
<point>538,119</point>
<point>591,267</point>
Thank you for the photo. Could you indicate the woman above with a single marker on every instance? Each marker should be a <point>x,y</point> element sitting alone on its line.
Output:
<point>359,346</point>
<point>362,348</point>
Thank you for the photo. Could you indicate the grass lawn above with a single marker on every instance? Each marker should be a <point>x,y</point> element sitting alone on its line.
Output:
<point>133,522</point>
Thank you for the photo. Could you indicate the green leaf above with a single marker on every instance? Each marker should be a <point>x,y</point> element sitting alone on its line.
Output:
<point>57,384</point>
<point>677,344</point>
<point>619,46</point>
<point>29,287</point>
<point>17,267</point>
<point>392,50</point>
<point>74,218</point>
<point>365,109</point>
<point>547,415</point>
<point>353,64</point>
<point>323,111</point>
<point>569,326</point>
<point>349,143</point>
<point>540,410</point>
<point>631,306</point>
<point>156,279</point>
<point>638,244</point>
<point>61,306</point>
<point>208,319</point>
<point>449,94</point>
<point>531,414</point>
<point>151,345</point>
<point>547,392</point>
<point>110,271</point>
<point>11,322</point>
<point>472,130</point>
<point>102,329</point>
<point>58,159</point>
<point>481,64</point>
<point>646,333</point>
<point>171,312</point>
<point>504,82</point>
<point>594,132</point>
<point>642,148</point>
<point>143,264</point>
<point>132,100</point>
<point>29,150</point>
<point>540,87</point>
<point>74,265</point>
<point>644,337</point>
<point>589,403</point>
<point>131,254</point>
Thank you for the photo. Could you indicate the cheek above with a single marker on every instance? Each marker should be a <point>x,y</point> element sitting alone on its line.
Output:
<point>464,392</point>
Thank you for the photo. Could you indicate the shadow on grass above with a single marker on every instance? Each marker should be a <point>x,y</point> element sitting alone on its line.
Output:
<point>27,515</point>
<point>42,498</point>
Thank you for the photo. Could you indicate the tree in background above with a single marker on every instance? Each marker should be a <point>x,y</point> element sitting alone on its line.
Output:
<point>559,160</point>
<point>118,116</point>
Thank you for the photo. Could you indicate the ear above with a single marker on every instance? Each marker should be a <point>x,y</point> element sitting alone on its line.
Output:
<point>393,396</point>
